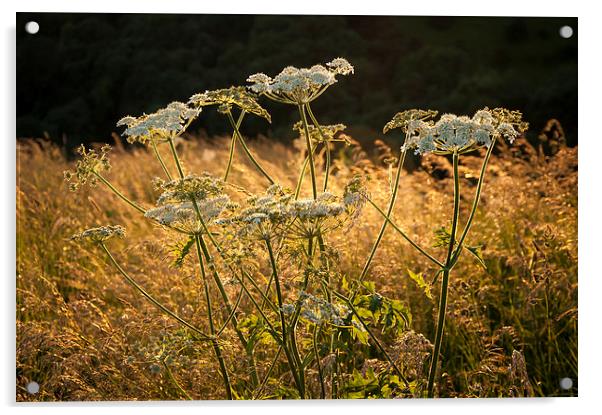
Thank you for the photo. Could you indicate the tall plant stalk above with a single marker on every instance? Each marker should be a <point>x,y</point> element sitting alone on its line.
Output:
<point>383,227</point>
<point>160,159</point>
<point>292,360</point>
<point>214,342</point>
<point>445,280</point>
<point>233,144</point>
<point>310,156</point>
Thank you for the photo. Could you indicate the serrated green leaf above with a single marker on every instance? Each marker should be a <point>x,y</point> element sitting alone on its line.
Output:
<point>422,284</point>
<point>180,251</point>
<point>476,252</point>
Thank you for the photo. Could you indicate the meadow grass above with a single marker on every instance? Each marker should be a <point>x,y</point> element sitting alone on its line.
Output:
<point>83,333</point>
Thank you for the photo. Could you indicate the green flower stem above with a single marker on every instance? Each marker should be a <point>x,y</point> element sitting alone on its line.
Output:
<point>233,144</point>
<point>265,298</point>
<point>261,312</point>
<point>232,313</point>
<point>312,167</point>
<point>301,176</point>
<point>291,360</point>
<point>297,314</point>
<point>152,299</point>
<point>246,149</point>
<point>175,381</point>
<point>231,310</point>
<point>175,156</point>
<point>121,195</point>
<point>318,363</point>
<point>386,222</point>
<point>326,143</point>
<point>445,282</point>
<point>374,339</point>
<point>475,204</point>
<point>158,155</point>
<point>257,393</point>
<point>328,291</point>
<point>215,344</point>
<point>406,237</point>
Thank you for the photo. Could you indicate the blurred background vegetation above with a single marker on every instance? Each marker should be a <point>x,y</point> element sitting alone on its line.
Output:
<point>82,72</point>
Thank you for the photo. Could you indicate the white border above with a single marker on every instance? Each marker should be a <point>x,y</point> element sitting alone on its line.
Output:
<point>590,232</point>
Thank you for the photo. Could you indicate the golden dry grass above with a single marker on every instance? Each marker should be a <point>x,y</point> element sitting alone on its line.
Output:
<point>84,334</point>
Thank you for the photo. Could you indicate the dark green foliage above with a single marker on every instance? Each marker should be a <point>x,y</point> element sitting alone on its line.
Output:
<point>81,73</point>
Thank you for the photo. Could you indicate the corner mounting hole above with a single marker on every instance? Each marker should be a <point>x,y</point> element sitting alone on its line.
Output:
<point>566,32</point>
<point>33,387</point>
<point>566,383</point>
<point>32,27</point>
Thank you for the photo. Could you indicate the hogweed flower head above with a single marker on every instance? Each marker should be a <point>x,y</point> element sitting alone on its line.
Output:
<point>184,215</point>
<point>299,85</point>
<point>319,311</point>
<point>191,187</point>
<point>160,125</point>
<point>323,134</point>
<point>457,134</point>
<point>402,119</point>
<point>100,234</point>
<point>226,98</point>
<point>92,162</point>
<point>277,211</point>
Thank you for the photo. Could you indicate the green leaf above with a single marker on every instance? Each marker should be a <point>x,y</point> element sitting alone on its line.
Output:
<point>422,284</point>
<point>476,251</point>
<point>180,251</point>
<point>442,238</point>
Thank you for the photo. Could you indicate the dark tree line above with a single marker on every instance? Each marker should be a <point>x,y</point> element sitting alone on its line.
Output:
<point>82,72</point>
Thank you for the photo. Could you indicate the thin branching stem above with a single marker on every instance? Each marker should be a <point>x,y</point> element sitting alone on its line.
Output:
<point>326,144</point>
<point>383,228</point>
<point>152,299</point>
<point>405,236</point>
<point>247,150</point>
<point>233,144</point>
<point>120,195</point>
<point>312,167</point>
<point>445,282</point>
<point>318,363</point>
<point>175,381</point>
<point>475,204</point>
<point>291,360</point>
<point>175,156</point>
<point>373,337</point>
<point>259,391</point>
<point>214,342</point>
<point>160,159</point>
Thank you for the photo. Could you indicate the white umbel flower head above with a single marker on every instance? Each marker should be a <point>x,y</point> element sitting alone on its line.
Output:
<point>160,125</point>
<point>458,134</point>
<point>100,234</point>
<point>299,85</point>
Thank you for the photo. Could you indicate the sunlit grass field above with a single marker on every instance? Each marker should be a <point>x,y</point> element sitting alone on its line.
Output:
<point>83,333</point>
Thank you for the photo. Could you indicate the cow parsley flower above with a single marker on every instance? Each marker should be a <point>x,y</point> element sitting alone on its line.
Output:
<point>299,85</point>
<point>87,169</point>
<point>323,134</point>
<point>160,125</point>
<point>319,311</point>
<point>226,98</point>
<point>191,187</point>
<point>340,66</point>
<point>456,134</point>
<point>184,215</point>
<point>100,234</point>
